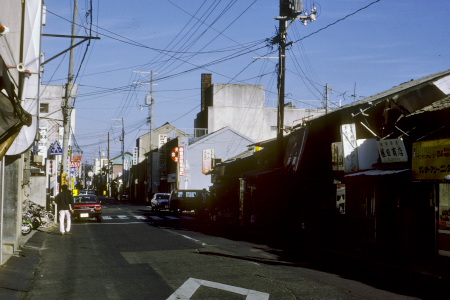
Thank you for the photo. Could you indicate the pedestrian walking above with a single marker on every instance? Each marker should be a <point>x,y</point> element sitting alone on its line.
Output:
<point>64,200</point>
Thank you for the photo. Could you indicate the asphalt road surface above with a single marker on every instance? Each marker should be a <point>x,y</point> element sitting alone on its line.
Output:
<point>138,254</point>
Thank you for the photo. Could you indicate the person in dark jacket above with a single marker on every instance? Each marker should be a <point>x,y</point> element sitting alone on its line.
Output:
<point>64,200</point>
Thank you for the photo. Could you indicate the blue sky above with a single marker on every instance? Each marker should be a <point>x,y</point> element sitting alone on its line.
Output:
<point>357,47</point>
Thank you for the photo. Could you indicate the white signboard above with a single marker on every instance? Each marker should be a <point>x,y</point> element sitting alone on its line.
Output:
<point>162,139</point>
<point>135,155</point>
<point>350,147</point>
<point>392,151</point>
<point>208,155</point>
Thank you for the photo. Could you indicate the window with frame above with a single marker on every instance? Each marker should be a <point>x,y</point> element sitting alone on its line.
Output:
<point>43,108</point>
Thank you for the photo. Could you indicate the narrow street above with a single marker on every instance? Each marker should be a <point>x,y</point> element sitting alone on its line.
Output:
<point>138,254</point>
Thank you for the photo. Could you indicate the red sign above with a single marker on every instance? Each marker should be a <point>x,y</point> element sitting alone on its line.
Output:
<point>75,164</point>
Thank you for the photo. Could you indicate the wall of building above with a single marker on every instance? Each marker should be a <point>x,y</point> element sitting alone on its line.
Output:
<point>39,192</point>
<point>243,108</point>
<point>226,143</point>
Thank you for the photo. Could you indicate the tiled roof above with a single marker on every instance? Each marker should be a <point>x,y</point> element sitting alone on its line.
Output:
<point>436,106</point>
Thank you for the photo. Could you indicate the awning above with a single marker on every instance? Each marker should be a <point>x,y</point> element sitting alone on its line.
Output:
<point>377,172</point>
<point>12,116</point>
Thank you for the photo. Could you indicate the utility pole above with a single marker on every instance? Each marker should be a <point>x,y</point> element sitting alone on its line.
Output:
<point>282,31</point>
<point>290,10</point>
<point>150,120</point>
<point>149,101</point>
<point>326,98</point>
<point>67,106</point>
<point>108,179</point>
<point>123,152</point>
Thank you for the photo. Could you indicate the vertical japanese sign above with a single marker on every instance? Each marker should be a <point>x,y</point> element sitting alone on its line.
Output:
<point>181,160</point>
<point>350,147</point>
<point>162,140</point>
<point>135,155</point>
<point>337,156</point>
<point>208,155</point>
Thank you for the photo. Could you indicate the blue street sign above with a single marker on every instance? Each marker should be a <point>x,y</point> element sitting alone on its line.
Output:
<point>56,149</point>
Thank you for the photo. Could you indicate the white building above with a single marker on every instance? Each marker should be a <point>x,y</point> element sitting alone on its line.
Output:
<point>242,107</point>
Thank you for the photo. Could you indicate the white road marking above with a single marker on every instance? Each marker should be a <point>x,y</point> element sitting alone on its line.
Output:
<point>156,218</point>
<point>192,239</point>
<point>187,289</point>
<point>140,217</point>
<point>172,218</point>
<point>107,217</point>
<point>187,218</point>
<point>122,217</point>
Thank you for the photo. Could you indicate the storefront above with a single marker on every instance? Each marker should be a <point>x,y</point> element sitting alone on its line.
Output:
<point>431,163</point>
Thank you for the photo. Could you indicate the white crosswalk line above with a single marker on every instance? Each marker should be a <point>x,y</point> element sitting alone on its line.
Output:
<point>138,217</point>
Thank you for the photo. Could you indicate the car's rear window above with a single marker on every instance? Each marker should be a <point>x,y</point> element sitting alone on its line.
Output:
<point>85,200</point>
<point>162,196</point>
<point>187,194</point>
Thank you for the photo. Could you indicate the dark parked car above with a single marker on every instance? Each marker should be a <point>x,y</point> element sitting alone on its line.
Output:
<point>188,200</point>
<point>87,206</point>
<point>160,201</point>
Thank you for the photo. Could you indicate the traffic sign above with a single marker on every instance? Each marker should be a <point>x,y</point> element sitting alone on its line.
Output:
<point>56,149</point>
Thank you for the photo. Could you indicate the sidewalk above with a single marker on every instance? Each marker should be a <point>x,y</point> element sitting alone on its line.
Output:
<point>17,274</point>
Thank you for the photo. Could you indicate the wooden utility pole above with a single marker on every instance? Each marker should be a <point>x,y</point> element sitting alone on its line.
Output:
<point>150,120</point>
<point>282,32</point>
<point>290,10</point>
<point>123,151</point>
<point>149,101</point>
<point>67,106</point>
<point>108,179</point>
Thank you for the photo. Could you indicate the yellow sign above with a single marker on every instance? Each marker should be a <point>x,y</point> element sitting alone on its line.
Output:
<point>431,160</point>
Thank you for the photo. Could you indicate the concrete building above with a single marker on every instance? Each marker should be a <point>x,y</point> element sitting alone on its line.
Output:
<point>20,27</point>
<point>242,107</point>
<point>143,177</point>
<point>51,130</point>
<point>188,161</point>
<point>222,144</point>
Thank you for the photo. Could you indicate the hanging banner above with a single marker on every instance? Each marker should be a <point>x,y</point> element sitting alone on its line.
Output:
<point>294,149</point>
